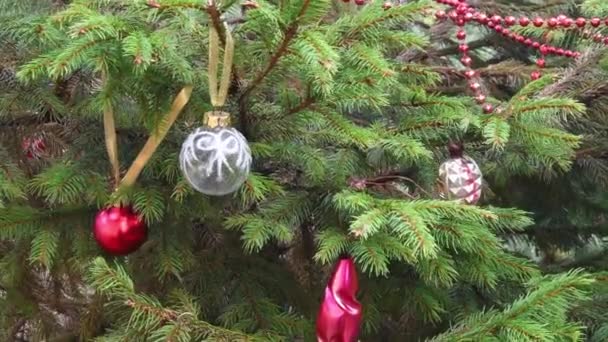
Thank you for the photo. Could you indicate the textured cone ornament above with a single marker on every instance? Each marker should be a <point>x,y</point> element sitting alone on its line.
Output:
<point>460,176</point>
<point>215,159</point>
<point>119,231</point>
<point>340,314</point>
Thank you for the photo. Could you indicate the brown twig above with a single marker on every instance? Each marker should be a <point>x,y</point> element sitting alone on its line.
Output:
<point>290,34</point>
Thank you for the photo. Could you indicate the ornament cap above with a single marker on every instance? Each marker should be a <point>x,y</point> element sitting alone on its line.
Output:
<point>217,119</point>
<point>456,149</point>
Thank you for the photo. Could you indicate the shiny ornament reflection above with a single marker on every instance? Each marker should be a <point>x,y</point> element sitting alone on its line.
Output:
<point>120,231</point>
<point>339,318</point>
<point>215,161</point>
<point>460,176</point>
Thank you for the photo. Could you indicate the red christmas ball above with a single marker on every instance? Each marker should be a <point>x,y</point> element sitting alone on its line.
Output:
<point>360,2</point>
<point>498,28</point>
<point>461,35</point>
<point>528,42</point>
<point>536,45</point>
<point>520,39</point>
<point>481,98</point>
<point>544,49</point>
<point>538,22</point>
<point>468,16</point>
<point>524,21</point>
<point>510,20</point>
<point>491,24</point>
<point>560,52</point>
<point>469,74</point>
<point>474,86</point>
<point>466,60</point>
<point>462,9</point>
<point>459,21</point>
<point>569,53</point>
<point>540,62</point>
<point>482,18</point>
<point>496,19</point>
<point>463,48</point>
<point>440,15</point>
<point>567,22</point>
<point>597,37</point>
<point>561,17</point>
<point>119,230</point>
<point>535,75</point>
<point>581,22</point>
<point>552,22</point>
<point>488,108</point>
<point>453,15</point>
<point>595,22</point>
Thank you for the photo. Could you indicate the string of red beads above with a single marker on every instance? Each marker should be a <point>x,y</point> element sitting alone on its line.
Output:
<point>461,14</point>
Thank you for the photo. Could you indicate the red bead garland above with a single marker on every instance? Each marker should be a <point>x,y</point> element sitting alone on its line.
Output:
<point>462,13</point>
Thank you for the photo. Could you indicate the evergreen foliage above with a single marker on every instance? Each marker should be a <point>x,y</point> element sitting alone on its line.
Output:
<point>347,132</point>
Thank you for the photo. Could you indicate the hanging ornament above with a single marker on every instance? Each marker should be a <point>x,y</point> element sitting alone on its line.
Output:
<point>460,176</point>
<point>215,159</point>
<point>340,314</point>
<point>120,230</point>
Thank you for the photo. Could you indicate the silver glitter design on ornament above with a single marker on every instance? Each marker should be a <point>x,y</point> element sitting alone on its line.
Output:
<point>462,180</point>
<point>215,161</point>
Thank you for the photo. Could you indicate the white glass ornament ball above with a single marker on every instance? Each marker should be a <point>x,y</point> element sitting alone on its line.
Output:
<point>215,161</point>
<point>462,179</point>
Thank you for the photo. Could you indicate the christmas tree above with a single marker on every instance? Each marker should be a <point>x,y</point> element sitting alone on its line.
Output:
<point>347,108</point>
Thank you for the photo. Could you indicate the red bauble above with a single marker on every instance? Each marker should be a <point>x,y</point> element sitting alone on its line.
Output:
<point>521,39</point>
<point>567,22</point>
<point>360,2</point>
<point>535,75</point>
<point>524,21</point>
<point>488,108</point>
<point>463,48</point>
<point>474,86</point>
<point>339,318</point>
<point>481,98</point>
<point>510,20</point>
<point>552,22</point>
<point>496,19</point>
<point>528,42</point>
<point>538,22</point>
<point>595,22</point>
<point>469,74</point>
<point>440,15</point>
<point>535,45</point>
<point>466,60</point>
<point>540,62</point>
<point>560,52</point>
<point>597,37</point>
<point>581,22</point>
<point>482,18</point>
<point>119,230</point>
<point>498,28</point>
<point>461,35</point>
<point>468,16</point>
<point>544,49</point>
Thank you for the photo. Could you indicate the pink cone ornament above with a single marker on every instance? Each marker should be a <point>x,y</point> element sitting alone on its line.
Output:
<point>340,315</point>
<point>460,176</point>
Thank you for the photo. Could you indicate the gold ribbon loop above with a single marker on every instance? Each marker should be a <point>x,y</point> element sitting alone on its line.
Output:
<point>219,95</point>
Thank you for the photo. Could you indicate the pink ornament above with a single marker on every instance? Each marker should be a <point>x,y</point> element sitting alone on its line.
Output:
<point>460,176</point>
<point>581,22</point>
<point>535,45</point>
<point>480,99</point>
<point>474,86</point>
<point>528,42</point>
<point>595,22</point>
<point>538,22</point>
<point>440,15</point>
<point>524,21</point>
<point>463,48</point>
<point>466,60</point>
<point>567,22</point>
<point>496,19</point>
<point>552,22</point>
<point>339,318</point>
<point>482,18</point>
<point>540,62</point>
<point>488,108</point>
<point>510,21</point>
<point>469,74</point>
<point>535,75</point>
<point>461,35</point>
<point>120,231</point>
